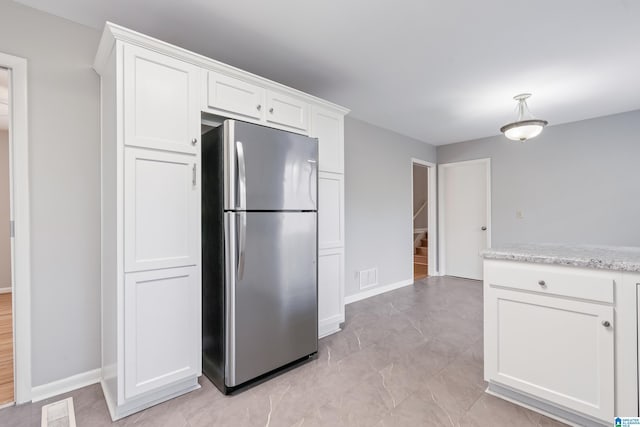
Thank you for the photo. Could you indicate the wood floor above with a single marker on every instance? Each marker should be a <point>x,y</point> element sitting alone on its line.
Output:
<point>6,349</point>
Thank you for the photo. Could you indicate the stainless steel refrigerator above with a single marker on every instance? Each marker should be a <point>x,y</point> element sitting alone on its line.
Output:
<point>259,252</point>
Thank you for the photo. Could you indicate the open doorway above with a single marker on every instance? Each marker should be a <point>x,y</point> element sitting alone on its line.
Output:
<point>423,217</point>
<point>6,287</point>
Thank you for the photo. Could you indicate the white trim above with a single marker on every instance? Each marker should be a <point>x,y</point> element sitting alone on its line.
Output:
<point>377,291</point>
<point>113,32</point>
<point>65,385</point>
<point>6,290</point>
<point>442,215</point>
<point>21,243</point>
<point>432,237</point>
<point>329,326</point>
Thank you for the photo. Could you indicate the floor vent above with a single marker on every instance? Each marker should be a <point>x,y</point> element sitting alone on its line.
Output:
<point>59,414</point>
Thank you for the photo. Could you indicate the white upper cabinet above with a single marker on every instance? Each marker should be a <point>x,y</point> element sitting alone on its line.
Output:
<point>328,127</point>
<point>233,95</point>
<point>161,210</point>
<point>160,101</point>
<point>286,110</point>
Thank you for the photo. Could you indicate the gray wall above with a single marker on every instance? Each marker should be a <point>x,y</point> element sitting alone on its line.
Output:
<point>378,216</point>
<point>5,239</point>
<point>576,183</point>
<point>64,138</point>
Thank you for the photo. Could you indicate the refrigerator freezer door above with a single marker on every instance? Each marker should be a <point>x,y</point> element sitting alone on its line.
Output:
<point>274,302</point>
<point>269,169</point>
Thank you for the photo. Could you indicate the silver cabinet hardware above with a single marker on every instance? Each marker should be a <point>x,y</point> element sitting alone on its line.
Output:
<point>606,323</point>
<point>542,283</point>
<point>483,228</point>
<point>194,141</point>
<point>259,107</point>
<point>194,174</point>
<point>271,110</point>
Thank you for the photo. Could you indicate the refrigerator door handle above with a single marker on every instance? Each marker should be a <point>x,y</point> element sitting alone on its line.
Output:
<point>241,202</point>
<point>242,242</point>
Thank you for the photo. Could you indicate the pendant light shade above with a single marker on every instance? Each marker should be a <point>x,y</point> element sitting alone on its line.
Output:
<point>526,127</point>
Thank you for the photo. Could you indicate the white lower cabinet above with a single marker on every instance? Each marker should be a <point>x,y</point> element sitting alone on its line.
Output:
<point>162,328</point>
<point>330,291</point>
<point>553,348</point>
<point>550,335</point>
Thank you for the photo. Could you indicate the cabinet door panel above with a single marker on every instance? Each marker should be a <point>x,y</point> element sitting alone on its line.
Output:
<point>286,110</point>
<point>330,210</point>
<point>162,210</point>
<point>328,127</point>
<point>160,101</point>
<point>330,291</point>
<point>162,328</point>
<point>235,95</point>
<point>553,348</point>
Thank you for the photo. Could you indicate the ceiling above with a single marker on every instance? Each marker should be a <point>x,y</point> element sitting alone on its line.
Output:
<point>436,70</point>
<point>4,99</point>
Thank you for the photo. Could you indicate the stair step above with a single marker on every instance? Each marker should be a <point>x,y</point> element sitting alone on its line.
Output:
<point>420,259</point>
<point>424,242</point>
<point>420,271</point>
<point>421,250</point>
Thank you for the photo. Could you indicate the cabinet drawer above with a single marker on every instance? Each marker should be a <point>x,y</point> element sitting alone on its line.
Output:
<point>553,280</point>
<point>234,95</point>
<point>286,110</point>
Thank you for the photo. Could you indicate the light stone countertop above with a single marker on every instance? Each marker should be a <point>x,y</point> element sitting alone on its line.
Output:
<point>619,258</point>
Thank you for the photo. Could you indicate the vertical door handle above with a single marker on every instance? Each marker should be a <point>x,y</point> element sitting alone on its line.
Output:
<point>241,202</point>
<point>195,174</point>
<point>241,218</point>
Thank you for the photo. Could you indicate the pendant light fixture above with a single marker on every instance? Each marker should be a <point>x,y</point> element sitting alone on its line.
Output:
<point>527,126</point>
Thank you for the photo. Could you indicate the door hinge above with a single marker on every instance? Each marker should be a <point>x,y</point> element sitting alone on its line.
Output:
<point>12,228</point>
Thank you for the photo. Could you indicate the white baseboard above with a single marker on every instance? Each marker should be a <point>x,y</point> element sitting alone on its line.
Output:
<point>6,290</point>
<point>64,385</point>
<point>377,291</point>
<point>329,326</point>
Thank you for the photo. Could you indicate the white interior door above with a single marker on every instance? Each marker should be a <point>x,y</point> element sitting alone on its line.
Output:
<point>465,205</point>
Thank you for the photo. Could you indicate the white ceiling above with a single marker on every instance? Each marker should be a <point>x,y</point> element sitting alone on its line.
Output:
<point>439,71</point>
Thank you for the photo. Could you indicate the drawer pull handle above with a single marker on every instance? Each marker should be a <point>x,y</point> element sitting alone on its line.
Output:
<point>606,323</point>
<point>542,283</point>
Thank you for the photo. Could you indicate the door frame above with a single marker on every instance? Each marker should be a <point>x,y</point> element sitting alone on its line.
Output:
<point>432,269</point>
<point>20,215</point>
<point>442,242</point>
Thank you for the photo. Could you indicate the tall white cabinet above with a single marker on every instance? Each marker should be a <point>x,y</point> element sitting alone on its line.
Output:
<point>154,98</point>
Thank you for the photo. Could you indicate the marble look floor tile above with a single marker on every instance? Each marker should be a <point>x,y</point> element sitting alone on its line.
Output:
<point>410,357</point>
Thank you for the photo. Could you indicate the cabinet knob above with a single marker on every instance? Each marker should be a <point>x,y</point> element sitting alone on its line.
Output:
<point>542,283</point>
<point>271,110</point>
<point>483,228</point>
<point>606,323</point>
<point>259,107</point>
<point>194,141</point>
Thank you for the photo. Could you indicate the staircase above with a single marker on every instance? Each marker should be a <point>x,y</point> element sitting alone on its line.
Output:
<point>420,260</point>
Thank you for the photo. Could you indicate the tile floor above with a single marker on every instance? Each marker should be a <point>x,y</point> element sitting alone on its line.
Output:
<point>411,357</point>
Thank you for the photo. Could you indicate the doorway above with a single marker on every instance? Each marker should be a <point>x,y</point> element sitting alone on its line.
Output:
<point>6,287</point>
<point>15,311</point>
<point>464,217</point>
<point>423,218</point>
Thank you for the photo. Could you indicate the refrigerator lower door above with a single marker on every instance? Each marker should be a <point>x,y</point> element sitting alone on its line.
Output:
<point>272,281</point>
